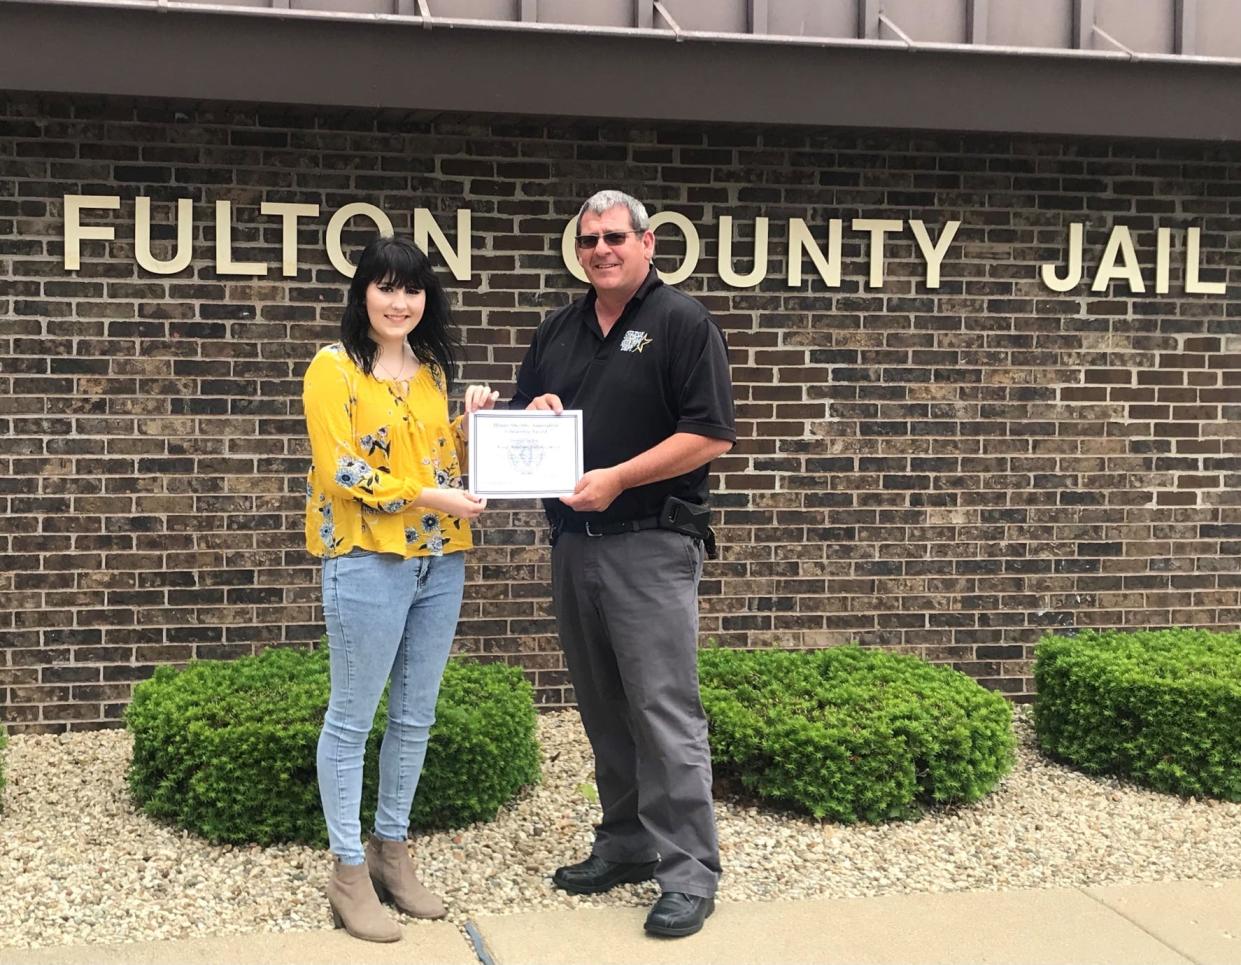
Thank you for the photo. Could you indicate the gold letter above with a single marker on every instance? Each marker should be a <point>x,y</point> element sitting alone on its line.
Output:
<point>759,271</point>
<point>692,245</point>
<point>224,264</point>
<point>289,213</point>
<point>142,237</point>
<point>1119,242</point>
<point>934,254</point>
<point>568,251</point>
<point>337,225</point>
<point>1163,256</point>
<point>1193,262</point>
<point>877,227</point>
<point>1074,276</point>
<point>800,239</point>
<point>76,233</point>
<point>458,259</point>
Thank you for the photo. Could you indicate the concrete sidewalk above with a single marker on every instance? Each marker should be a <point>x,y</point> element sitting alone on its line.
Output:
<point>1168,923</point>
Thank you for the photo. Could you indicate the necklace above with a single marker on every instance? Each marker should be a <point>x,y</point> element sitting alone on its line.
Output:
<point>399,375</point>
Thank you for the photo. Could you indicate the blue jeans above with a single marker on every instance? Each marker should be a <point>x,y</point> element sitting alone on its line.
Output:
<point>386,617</point>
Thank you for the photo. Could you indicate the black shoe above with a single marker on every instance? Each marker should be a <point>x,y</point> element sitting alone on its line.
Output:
<point>676,915</point>
<point>596,875</point>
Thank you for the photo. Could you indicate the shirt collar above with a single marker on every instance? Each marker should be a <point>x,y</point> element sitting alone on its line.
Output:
<point>652,282</point>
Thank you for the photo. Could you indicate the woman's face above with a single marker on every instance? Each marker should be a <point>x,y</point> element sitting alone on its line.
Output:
<point>394,311</point>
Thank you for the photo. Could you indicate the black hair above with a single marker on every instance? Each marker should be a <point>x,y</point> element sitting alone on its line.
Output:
<point>401,262</point>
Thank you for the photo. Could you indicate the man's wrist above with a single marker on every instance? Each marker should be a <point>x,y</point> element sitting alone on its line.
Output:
<point>621,473</point>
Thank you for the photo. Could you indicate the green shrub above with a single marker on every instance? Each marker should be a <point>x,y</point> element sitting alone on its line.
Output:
<point>1158,707</point>
<point>852,734</point>
<point>227,748</point>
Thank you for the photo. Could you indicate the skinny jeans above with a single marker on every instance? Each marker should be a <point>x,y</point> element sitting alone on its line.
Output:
<point>388,619</point>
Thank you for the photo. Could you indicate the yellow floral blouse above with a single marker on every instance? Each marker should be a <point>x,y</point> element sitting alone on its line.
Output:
<point>373,448</point>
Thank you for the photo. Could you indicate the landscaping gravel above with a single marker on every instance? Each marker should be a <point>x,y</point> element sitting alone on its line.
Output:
<point>79,864</point>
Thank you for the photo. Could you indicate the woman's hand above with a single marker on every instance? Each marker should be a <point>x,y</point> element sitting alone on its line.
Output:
<point>479,397</point>
<point>454,502</point>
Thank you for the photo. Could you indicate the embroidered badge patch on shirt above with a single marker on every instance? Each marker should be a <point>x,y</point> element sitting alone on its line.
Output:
<point>634,342</point>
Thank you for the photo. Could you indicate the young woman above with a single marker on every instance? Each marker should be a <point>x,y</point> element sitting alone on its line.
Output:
<point>387,511</point>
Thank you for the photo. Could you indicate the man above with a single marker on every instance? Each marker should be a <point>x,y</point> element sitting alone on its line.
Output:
<point>648,367</point>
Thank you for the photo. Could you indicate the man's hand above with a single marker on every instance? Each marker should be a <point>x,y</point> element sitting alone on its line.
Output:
<point>548,402</point>
<point>595,491</point>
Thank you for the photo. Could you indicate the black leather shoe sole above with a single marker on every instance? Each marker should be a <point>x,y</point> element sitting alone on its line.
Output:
<point>680,931</point>
<point>626,875</point>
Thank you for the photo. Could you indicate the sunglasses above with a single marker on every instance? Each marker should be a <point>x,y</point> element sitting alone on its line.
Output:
<point>613,239</point>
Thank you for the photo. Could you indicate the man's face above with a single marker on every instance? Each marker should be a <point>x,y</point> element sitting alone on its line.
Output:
<point>619,267</point>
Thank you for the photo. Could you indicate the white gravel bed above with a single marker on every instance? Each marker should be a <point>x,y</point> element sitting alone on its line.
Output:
<point>78,864</point>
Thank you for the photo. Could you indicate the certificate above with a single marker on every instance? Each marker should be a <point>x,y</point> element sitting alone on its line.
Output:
<point>525,453</point>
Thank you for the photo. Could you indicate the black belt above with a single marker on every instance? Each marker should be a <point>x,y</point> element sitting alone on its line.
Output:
<point>576,525</point>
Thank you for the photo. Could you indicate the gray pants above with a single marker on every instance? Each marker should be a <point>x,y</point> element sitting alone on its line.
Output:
<point>627,611</point>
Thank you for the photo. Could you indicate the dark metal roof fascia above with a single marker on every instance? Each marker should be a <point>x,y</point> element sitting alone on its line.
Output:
<point>265,55</point>
<point>428,21</point>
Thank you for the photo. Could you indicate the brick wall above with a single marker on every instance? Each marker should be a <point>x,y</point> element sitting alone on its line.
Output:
<point>950,472</point>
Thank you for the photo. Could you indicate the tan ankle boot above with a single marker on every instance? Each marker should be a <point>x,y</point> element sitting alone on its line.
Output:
<point>355,906</point>
<point>392,872</point>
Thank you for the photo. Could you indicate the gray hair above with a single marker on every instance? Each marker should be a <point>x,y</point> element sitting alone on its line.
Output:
<point>602,201</point>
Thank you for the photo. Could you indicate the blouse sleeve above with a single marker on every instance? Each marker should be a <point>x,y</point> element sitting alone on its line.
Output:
<point>461,442</point>
<point>338,463</point>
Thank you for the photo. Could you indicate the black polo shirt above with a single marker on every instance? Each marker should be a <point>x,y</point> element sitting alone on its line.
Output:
<point>662,369</point>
